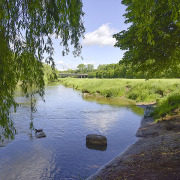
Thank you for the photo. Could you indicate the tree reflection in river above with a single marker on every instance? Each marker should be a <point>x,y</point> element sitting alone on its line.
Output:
<point>115,102</point>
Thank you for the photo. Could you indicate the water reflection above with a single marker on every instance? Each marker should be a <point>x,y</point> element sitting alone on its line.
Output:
<point>115,102</point>
<point>102,120</point>
<point>110,101</point>
<point>96,147</point>
<point>31,163</point>
<point>137,110</point>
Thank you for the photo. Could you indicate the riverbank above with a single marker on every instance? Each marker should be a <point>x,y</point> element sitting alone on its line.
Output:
<point>156,155</point>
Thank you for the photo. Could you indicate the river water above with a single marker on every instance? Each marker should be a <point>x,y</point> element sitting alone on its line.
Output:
<point>66,118</point>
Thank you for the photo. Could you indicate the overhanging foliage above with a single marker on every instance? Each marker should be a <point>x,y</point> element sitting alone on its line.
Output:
<point>153,40</point>
<point>26,28</point>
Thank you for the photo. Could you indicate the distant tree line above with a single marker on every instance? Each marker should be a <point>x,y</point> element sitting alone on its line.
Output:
<point>81,68</point>
<point>120,70</point>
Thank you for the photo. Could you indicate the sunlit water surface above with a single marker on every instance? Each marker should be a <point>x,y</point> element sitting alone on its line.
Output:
<point>66,119</point>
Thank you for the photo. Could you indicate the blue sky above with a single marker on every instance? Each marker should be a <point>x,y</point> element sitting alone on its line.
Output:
<point>102,19</point>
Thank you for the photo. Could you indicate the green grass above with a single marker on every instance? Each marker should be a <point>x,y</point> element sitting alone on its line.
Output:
<point>135,89</point>
<point>105,87</point>
<point>167,106</point>
<point>165,92</point>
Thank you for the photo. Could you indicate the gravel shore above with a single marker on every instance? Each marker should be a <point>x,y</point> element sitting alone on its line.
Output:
<point>155,156</point>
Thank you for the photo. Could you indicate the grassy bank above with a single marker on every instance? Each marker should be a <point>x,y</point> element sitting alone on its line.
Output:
<point>165,92</point>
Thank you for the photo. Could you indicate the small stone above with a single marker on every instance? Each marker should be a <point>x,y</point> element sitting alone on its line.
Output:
<point>41,135</point>
<point>38,130</point>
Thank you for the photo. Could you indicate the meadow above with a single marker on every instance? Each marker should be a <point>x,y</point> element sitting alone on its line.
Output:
<point>164,92</point>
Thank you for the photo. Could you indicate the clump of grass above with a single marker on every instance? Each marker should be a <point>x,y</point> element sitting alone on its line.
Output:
<point>112,92</point>
<point>167,106</point>
<point>150,91</point>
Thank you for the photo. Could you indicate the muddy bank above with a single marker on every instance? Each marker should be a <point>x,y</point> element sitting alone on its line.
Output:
<point>156,155</point>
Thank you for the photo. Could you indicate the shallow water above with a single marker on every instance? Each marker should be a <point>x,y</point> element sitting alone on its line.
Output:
<point>66,118</point>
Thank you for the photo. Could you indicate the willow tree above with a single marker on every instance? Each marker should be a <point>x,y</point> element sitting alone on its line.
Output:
<point>152,42</point>
<point>26,28</point>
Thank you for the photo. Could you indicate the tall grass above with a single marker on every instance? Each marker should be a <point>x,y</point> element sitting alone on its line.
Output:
<point>135,89</point>
<point>167,106</point>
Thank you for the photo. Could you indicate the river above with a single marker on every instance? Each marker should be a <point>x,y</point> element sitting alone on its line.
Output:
<point>66,118</point>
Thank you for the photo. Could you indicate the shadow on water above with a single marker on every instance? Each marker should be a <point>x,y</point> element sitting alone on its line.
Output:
<point>96,147</point>
<point>115,102</point>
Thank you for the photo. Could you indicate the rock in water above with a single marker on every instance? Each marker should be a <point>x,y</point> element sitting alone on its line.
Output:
<point>38,130</point>
<point>41,135</point>
<point>148,111</point>
<point>95,139</point>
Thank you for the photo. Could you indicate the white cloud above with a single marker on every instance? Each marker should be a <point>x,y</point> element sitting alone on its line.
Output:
<point>102,36</point>
<point>88,58</point>
<point>61,66</point>
<point>59,62</point>
<point>86,63</point>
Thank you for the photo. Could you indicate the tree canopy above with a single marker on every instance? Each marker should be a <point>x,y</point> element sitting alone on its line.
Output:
<point>153,39</point>
<point>81,67</point>
<point>26,28</point>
